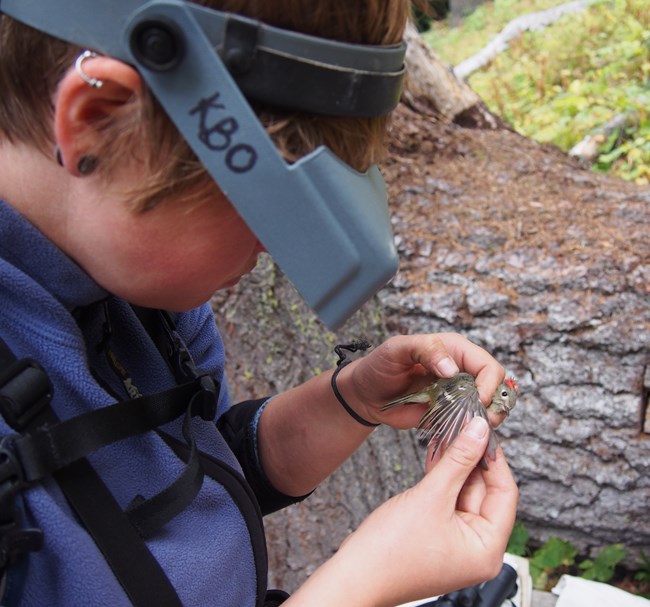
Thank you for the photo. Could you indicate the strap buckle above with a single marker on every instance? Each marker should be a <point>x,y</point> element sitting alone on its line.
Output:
<point>12,478</point>
<point>204,402</point>
<point>15,540</point>
<point>25,389</point>
<point>275,597</point>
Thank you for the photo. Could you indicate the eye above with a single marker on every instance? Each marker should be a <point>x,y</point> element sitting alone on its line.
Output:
<point>504,393</point>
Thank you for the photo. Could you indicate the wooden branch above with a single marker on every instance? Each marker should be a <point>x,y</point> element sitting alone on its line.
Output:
<point>587,148</point>
<point>516,27</point>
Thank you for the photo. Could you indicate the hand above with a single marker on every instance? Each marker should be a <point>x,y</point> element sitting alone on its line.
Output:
<point>305,433</point>
<point>447,532</point>
<point>406,364</point>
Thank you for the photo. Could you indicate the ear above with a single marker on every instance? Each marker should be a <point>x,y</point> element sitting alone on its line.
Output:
<point>82,111</point>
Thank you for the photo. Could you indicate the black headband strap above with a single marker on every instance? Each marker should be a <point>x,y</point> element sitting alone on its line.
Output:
<point>270,65</point>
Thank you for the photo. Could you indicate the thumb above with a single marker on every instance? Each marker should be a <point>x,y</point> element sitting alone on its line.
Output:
<point>461,457</point>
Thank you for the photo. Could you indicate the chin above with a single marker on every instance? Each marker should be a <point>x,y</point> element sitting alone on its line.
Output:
<point>175,304</point>
<point>230,283</point>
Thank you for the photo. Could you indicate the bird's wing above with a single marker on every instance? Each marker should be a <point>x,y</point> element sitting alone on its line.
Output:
<point>413,398</point>
<point>441,424</point>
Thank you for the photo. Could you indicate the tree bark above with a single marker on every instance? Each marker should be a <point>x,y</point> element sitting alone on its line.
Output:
<point>514,245</point>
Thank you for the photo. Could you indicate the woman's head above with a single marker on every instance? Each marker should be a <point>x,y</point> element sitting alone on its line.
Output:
<point>32,64</point>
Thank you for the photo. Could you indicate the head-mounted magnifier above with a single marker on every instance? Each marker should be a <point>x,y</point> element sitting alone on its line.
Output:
<point>325,224</point>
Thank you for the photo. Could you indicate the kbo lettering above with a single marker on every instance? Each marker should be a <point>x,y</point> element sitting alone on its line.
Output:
<point>217,133</point>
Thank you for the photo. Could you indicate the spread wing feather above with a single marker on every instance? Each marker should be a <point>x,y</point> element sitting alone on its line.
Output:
<point>442,423</point>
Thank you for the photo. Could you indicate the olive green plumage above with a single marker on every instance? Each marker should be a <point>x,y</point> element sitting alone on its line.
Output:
<point>452,403</point>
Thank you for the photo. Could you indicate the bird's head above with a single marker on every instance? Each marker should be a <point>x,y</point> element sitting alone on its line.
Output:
<point>505,398</point>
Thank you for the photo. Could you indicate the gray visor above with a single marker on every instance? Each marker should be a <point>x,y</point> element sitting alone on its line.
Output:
<point>325,224</point>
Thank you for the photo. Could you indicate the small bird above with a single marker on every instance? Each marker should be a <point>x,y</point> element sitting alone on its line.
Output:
<point>452,403</point>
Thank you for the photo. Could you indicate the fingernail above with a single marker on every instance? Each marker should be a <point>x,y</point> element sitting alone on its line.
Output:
<point>477,427</point>
<point>447,367</point>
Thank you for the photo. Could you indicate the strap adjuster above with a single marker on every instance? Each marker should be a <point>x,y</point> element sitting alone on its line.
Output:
<point>12,479</point>
<point>25,389</point>
<point>15,540</point>
<point>204,402</point>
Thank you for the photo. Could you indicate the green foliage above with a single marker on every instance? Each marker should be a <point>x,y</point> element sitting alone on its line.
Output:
<point>487,20</point>
<point>557,556</point>
<point>559,84</point>
<point>556,553</point>
<point>518,542</point>
<point>643,573</point>
<point>602,568</point>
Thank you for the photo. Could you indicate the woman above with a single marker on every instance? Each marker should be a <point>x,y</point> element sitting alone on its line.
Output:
<point>106,215</point>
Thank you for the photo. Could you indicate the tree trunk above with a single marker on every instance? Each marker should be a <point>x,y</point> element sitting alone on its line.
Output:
<point>516,246</point>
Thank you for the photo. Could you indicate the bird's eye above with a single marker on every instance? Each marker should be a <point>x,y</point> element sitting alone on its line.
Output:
<point>504,393</point>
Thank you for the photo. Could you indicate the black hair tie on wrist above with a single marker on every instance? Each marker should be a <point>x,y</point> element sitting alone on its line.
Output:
<point>340,363</point>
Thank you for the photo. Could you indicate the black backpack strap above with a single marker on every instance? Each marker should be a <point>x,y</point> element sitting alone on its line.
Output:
<point>51,445</point>
<point>275,598</point>
<point>162,330</point>
<point>148,515</point>
<point>242,494</point>
<point>25,378</point>
<point>54,448</point>
<point>140,575</point>
<point>138,572</point>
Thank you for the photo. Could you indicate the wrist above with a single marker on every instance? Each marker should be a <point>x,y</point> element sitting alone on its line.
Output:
<point>351,411</point>
<point>336,582</point>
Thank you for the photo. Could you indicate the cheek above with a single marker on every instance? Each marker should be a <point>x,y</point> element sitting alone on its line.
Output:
<point>212,257</point>
<point>173,260</point>
<point>222,241</point>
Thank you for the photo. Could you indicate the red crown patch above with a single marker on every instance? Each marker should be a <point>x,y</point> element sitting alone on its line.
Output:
<point>511,382</point>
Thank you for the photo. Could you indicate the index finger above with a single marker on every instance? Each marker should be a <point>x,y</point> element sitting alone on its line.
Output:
<point>479,362</point>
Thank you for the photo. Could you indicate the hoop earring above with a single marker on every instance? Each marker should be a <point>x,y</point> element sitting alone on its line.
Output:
<point>78,66</point>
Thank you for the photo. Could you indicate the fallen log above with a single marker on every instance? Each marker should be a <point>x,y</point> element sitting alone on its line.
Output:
<point>588,148</point>
<point>514,29</point>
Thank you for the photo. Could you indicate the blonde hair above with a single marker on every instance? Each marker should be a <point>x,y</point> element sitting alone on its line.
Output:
<point>32,63</point>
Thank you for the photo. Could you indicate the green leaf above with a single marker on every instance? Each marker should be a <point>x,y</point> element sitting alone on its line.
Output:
<point>608,145</point>
<point>611,156</point>
<point>643,574</point>
<point>539,577</point>
<point>518,540</point>
<point>554,553</point>
<point>602,568</point>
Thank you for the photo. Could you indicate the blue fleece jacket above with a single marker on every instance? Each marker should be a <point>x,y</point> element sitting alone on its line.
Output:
<point>52,311</point>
